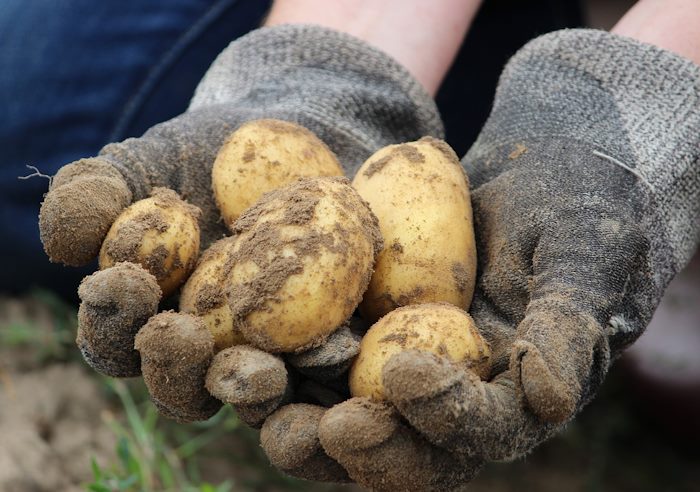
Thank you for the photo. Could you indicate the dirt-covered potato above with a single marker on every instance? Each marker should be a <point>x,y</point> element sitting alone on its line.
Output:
<point>302,258</point>
<point>264,155</point>
<point>204,294</point>
<point>116,303</point>
<point>439,328</point>
<point>160,233</point>
<point>420,194</point>
<point>176,351</point>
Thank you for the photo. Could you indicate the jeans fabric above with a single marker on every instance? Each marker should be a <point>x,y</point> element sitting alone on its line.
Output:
<point>77,74</point>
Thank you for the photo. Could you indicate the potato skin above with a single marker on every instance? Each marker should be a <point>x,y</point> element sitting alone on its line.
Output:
<point>264,155</point>
<point>420,195</point>
<point>160,233</point>
<point>302,258</point>
<point>439,328</point>
<point>204,295</point>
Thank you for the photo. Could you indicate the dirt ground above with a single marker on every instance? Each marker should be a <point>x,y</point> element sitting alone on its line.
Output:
<point>54,416</point>
<point>51,414</point>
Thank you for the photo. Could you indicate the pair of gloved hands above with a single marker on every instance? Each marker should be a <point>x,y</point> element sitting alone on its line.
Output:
<point>586,195</point>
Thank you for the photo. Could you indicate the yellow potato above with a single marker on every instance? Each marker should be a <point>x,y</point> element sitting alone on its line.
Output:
<point>159,233</point>
<point>420,195</point>
<point>438,328</point>
<point>301,260</point>
<point>264,155</point>
<point>204,294</point>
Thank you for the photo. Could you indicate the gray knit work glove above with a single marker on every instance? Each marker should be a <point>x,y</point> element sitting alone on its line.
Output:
<point>586,191</point>
<point>352,96</point>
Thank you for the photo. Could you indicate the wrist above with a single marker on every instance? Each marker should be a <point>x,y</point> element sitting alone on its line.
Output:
<point>352,96</point>
<point>670,25</point>
<point>424,37</point>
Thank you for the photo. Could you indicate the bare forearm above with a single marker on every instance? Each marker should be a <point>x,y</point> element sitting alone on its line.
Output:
<point>423,36</point>
<point>670,24</point>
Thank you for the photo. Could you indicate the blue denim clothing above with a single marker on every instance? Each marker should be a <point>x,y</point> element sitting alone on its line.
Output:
<point>78,74</point>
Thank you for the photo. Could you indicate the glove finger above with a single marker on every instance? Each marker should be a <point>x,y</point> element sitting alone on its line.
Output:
<point>290,440</point>
<point>83,201</point>
<point>457,411</point>
<point>495,328</point>
<point>253,382</point>
<point>178,154</point>
<point>329,360</point>
<point>108,317</point>
<point>87,196</point>
<point>176,350</point>
<point>561,357</point>
<point>381,453</point>
<point>581,267</point>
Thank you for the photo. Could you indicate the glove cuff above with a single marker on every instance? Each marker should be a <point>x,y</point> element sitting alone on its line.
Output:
<point>353,96</point>
<point>636,105</point>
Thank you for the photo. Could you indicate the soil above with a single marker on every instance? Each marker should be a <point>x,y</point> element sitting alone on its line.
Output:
<point>53,418</point>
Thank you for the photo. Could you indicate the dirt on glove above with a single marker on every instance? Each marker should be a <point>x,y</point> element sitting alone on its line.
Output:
<point>108,318</point>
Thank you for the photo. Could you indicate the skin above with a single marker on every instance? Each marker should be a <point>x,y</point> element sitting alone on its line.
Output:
<point>423,36</point>
<point>668,24</point>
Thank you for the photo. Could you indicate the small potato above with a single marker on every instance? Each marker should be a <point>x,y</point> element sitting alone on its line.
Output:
<point>159,233</point>
<point>204,294</point>
<point>420,194</point>
<point>264,155</point>
<point>439,328</point>
<point>301,260</point>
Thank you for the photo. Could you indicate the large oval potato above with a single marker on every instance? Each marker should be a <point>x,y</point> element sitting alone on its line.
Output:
<point>204,295</point>
<point>264,155</point>
<point>160,233</point>
<point>439,328</point>
<point>301,260</point>
<point>420,195</point>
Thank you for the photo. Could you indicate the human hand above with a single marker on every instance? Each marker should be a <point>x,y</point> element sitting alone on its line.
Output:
<point>352,96</point>
<point>586,198</point>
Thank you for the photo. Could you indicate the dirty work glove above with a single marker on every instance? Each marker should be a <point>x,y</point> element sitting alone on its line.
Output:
<point>352,96</point>
<point>586,193</point>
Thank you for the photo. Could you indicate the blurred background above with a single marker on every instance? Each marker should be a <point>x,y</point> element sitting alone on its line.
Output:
<point>64,428</point>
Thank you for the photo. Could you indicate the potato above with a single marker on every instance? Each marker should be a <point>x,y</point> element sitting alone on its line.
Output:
<point>159,233</point>
<point>204,295</point>
<point>264,155</point>
<point>420,194</point>
<point>301,260</point>
<point>439,328</point>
